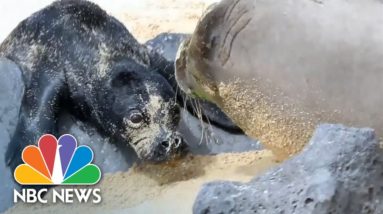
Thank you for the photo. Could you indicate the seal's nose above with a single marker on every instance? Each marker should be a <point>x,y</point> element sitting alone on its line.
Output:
<point>172,144</point>
<point>165,144</point>
<point>177,141</point>
<point>170,147</point>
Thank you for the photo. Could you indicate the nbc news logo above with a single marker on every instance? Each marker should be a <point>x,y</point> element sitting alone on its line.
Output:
<point>57,162</point>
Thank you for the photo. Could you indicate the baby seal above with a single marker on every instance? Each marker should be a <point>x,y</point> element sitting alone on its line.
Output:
<point>75,57</point>
<point>279,68</point>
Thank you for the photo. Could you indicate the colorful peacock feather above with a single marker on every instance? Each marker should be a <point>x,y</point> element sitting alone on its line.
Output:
<point>57,162</point>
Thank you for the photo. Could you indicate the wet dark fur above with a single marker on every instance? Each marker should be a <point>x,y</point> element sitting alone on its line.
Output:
<point>75,56</point>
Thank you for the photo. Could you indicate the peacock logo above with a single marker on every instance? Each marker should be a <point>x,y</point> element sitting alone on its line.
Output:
<point>57,162</point>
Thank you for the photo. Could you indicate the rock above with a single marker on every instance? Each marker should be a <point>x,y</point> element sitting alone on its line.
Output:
<point>166,44</point>
<point>339,171</point>
<point>11,92</point>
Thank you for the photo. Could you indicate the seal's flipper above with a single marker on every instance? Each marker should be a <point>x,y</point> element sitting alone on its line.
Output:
<point>37,114</point>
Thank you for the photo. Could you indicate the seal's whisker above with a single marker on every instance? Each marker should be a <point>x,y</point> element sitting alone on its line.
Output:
<point>198,110</point>
<point>176,94</point>
<point>212,135</point>
<point>185,100</point>
<point>206,125</point>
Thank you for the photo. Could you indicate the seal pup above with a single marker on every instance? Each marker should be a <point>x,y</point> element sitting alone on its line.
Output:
<point>76,57</point>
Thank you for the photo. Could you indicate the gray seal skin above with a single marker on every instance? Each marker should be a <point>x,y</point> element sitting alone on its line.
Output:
<point>75,57</point>
<point>279,68</point>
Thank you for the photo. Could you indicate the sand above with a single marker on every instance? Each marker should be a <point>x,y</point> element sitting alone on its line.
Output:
<point>144,18</point>
<point>168,188</point>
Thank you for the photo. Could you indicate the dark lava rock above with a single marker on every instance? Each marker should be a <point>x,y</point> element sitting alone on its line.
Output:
<point>166,44</point>
<point>339,171</point>
<point>11,92</point>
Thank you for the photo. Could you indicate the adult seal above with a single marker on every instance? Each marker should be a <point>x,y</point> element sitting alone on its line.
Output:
<point>279,68</point>
<point>75,57</point>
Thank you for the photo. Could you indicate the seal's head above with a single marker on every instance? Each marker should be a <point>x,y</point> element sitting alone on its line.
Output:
<point>144,111</point>
<point>189,76</point>
<point>195,68</point>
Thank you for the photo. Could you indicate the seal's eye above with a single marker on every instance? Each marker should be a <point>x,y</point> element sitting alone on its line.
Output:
<point>135,119</point>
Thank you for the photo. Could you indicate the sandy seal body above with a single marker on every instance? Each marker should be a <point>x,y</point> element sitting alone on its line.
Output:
<point>75,57</point>
<point>280,68</point>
